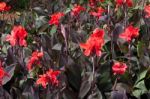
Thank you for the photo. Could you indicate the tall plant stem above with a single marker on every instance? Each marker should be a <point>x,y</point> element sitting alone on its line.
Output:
<point>93,68</point>
<point>129,57</point>
<point>126,16</point>
<point>111,33</point>
<point>115,84</point>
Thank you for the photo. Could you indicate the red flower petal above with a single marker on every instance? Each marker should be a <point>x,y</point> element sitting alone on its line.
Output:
<point>147,11</point>
<point>77,9</point>
<point>119,68</point>
<point>18,35</point>
<point>129,33</point>
<point>94,43</point>
<point>34,59</point>
<point>55,18</point>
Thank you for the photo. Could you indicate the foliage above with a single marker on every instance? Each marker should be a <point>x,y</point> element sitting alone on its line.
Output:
<point>62,66</point>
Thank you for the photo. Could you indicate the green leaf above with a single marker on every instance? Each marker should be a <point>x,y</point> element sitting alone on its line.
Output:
<point>138,7</point>
<point>141,76</point>
<point>43,28</point>
<point>40,21</point>
<point>57,47</point>
<point>53,30</point>
<point>85,87</point>
<point>140,48</point>
<point>139,87</point>
<point>67,10</point>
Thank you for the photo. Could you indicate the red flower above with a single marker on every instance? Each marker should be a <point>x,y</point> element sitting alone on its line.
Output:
<point>77,9</point>
<point>53,76</point>
<point>128,2</point>
<point>43,80</point>
<point>55,18</point>
<point>129,33</point>
<point>147,10</point>
<point>18,35</point>
<point>2,73</point>
<point>119,68</point>
<point>94,43</point>
<point>34,59</point>
<point>4,7</point>
<point>49,77</point>
<point>99,12</point>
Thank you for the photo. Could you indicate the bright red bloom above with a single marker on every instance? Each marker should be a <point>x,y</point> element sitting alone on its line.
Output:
<point>129,33</point>
<point>53,76</point>
<point>34,59</point>
<point>129,3</point>
<point>43,80</point>
<point>2,73</point>
<point>95,43</point>
<point>77,9</point>
<point>18,35</point>
<point>50,77</point>
<point>4,6</point>
<point>99,12</point>
<point>55,18</point>
<point>119,68</point>
<point>147,11</point>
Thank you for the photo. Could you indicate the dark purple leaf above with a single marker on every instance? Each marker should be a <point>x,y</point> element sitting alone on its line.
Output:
<point>118,95</point>
<point>10,70</point>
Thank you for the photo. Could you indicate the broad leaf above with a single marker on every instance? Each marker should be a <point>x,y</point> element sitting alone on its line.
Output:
<point>10,70</point>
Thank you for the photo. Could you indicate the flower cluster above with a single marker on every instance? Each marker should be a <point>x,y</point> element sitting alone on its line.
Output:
<point>98,13</point>
<point>77,9</point>
<point>147,11</point>
<point>94,43</point>
<point>17,37</point>
<point>4,7</point>
<point>119,68</point>
<point>55,18</point>
<point>50,77</point>
<point>129,3</point>
<point>34,59</point>
<point>129,33</point>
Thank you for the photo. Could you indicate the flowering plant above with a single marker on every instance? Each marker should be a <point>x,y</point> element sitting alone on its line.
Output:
<point>74,49</point>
